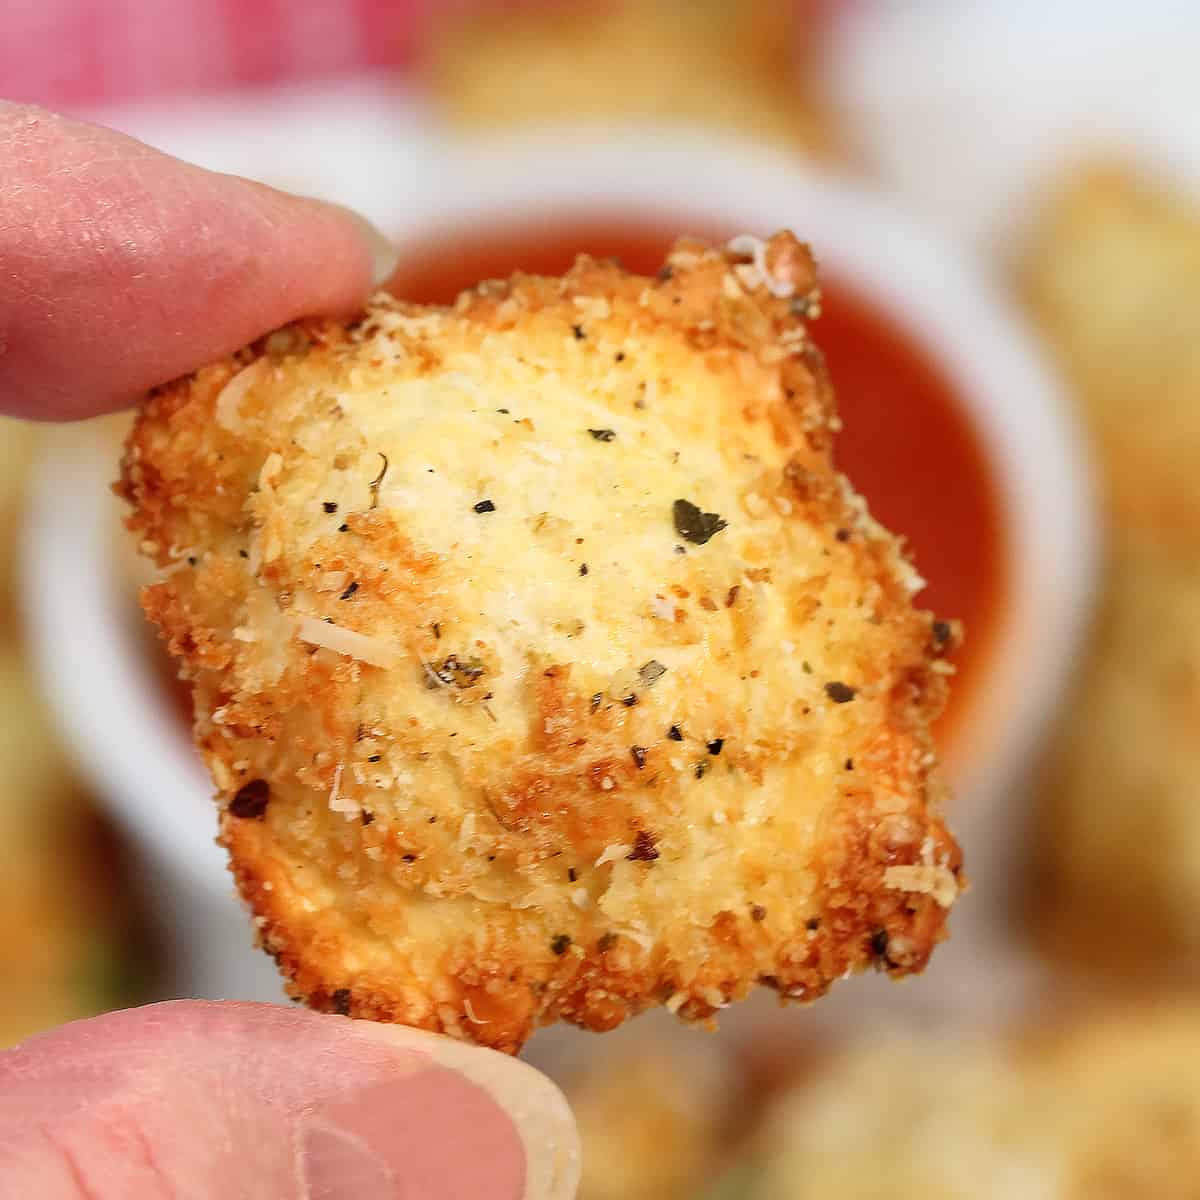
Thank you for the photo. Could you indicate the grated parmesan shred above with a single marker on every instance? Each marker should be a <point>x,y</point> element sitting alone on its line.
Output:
<point>372,650</point>
<point>337,802</point>
<point>935,881</point>
<point>755,248</point>
<point>230,397</point>
<point>614,853</point>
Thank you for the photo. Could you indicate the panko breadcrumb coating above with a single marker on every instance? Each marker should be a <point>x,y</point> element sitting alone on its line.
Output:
<point>1106,1110</point>
<point>545,666</point>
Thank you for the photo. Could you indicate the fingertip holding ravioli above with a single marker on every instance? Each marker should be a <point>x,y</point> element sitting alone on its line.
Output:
<point>501,789</point>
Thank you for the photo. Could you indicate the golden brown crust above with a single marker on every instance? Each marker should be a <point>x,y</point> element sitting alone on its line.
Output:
<point>546,668</point>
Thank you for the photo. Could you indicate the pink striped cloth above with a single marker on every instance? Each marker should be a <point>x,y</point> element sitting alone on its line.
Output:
<point>75,53</point>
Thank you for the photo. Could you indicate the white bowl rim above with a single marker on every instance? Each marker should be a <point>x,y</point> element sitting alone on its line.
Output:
<point>111,705</point>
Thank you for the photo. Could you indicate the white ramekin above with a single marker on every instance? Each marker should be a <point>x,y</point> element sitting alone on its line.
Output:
<point>91,653</point>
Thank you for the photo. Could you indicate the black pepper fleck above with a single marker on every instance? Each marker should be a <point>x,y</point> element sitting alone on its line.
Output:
<point>251,800</point>
<point>620,356</point>
<point>583,568</point>
<point>813,923</point>
<point>560,943</point>
<point>701,769</point>
<point>243,554</point>
<point>577,330</point>
<point>572,875</point>
<point>504,411</point>
<point>374,757</point>
<point>408,858</point>
<point>941,632</point>
<point>639,755</point>
<point>675,733</point>
<point>693,525</point>
<point>606,941</point>
<point>714,747</point>
<point>842,535</point>
<point>343,528</point>
<point>644,848</point>
<point>651,672</point>
<point>330,506</point>
<point>485,506</point>
<point>597,698</point>
<point>758,913</point>
<point>367,817</point>
<point>340,1002</point>
<point>349,591</point>
<point>630,700</point>
<point>603,435</point>
<point>840,693</point>
<point>192,560</point>
<point>879,943</point>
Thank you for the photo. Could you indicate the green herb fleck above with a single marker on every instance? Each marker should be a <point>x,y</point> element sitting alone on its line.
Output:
<point>693,525</point>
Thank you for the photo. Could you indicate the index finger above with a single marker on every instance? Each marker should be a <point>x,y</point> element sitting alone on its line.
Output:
<point>122,267</point>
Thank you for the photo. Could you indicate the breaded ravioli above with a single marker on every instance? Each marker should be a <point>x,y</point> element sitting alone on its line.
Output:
<point>546,667</point>
<point>657,1114</point>
<point>1111,275</point>
<point>1105,1108</point>
<point>749,68</point>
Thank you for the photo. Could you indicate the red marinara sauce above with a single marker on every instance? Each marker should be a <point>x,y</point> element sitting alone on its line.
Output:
<point>907,442</point>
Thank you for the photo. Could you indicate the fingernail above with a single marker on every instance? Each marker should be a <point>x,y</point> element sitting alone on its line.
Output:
<point>336,1164</point>
<point>431,1133</point>
<point>385,255</point>
<point>469,1123</point>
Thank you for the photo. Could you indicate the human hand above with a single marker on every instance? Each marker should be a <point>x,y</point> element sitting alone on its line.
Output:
<point>121,268</point>
<point>191,1100</point>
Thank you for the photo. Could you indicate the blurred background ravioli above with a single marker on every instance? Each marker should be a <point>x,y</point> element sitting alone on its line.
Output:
<point>1052,150</point>
<point>69,934</point>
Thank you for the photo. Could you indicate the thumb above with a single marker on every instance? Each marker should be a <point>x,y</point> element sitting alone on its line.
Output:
<point>196,1100</point>
<point>121,268</point>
